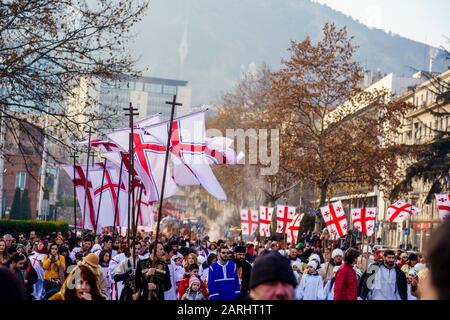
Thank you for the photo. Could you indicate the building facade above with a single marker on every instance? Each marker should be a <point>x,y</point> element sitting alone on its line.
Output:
<point>417,127</point>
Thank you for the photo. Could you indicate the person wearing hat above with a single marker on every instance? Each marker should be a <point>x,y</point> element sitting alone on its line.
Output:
<point>194,292</point>
<point>311,284</point>
<point>346,280</point>
<point>92,261</point>
<point>244,269</point>
<point>336,260</point>
<point>272,278</point>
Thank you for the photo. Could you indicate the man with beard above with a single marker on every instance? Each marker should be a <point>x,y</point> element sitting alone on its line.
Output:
<point>272,278</point>
<point>383,280</point>
<point>223,281</point>
<point>244,269</point>
<point>153,276</point>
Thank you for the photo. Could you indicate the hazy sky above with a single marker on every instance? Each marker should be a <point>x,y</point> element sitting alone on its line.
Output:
<point>422,20</point>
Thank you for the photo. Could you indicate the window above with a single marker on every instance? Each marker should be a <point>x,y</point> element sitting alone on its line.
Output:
<point>170,89</point>
<point>21,179</point>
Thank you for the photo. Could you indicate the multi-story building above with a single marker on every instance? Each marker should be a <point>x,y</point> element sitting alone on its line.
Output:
<point>419,126</point>
<point>147,94</point>
<point>373,196</point>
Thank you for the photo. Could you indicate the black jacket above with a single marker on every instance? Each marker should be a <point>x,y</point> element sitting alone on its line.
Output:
<point>161,279</point>
<point>363,289</point>
<point>245,281</point>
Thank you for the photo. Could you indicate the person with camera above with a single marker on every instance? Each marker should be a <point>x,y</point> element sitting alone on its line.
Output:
<point>54,265</point>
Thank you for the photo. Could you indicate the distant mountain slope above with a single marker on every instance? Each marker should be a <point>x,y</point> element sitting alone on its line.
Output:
<point>208,42</point>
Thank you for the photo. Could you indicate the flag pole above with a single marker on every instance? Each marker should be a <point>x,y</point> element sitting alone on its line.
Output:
<point>136,220</point>
<point>116,205</point>
<point>173,103</point>
<point>101,194</point>
<point>89,132</point>
<point>131,113</point>
<point>74,156</point>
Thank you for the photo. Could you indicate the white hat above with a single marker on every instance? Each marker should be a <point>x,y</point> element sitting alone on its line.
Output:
<point>201,259</point>
<point>96,247</point>
<point>297,264</point>
<point>337,252</point>
<point>313,264</point>
<point>314,257</point>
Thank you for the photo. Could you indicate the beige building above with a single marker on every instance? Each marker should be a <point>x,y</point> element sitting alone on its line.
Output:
<point>417,127</point>
<point>420,126</point>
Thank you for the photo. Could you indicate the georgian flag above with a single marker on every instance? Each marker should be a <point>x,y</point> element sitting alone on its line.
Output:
<point>443,204</point>
<point>400,210</point>
<point>285,214</point>
<point>293,229</point>
<point>85,194</point>
<point>188,148</point>
<point>265,219</point>
<point>364,220</point>
<point>149,159</point>
<point>335,220</point>
<point>249,221</point>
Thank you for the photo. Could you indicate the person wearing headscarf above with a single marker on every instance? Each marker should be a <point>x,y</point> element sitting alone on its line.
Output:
<point>311,284</point>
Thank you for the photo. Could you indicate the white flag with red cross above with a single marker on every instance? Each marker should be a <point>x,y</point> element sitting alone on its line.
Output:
<point>443,204</point>
<point>113,205</point>
<point>335,219</point>
<point>293,229</point>
<point>144,209</point>
<point>285,214</point>
<point>85,195</point>
<point>219,151</point>
<point>364,220</point>
<point>265,219</point>
<point>188,147</point>
<point>400,210</point>
<point>249,221</point>
<point>149,158</point>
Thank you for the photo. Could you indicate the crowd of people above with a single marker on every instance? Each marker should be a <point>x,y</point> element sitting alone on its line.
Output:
<point>87,267</point>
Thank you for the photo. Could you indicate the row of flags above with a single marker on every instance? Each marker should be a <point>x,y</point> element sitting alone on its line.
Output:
<point>191,156</point>
<point>288,221</point>
<point>363,219</point>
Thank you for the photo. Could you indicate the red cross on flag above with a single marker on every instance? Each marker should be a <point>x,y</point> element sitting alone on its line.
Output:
<point>285,214</point>
<point>443,204</point>
<point>84,190</point>
<point>265,219</point>
<point>293,228</point>
<point>188,148</point>
<point>364,220</point>
<point>249,221</point>
<point>149,158</point>
<point>114,202</point>
<point>400,210</point>
<point>145,213</point>
<point>335,220</point>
